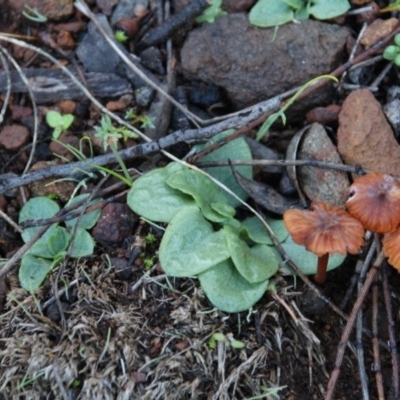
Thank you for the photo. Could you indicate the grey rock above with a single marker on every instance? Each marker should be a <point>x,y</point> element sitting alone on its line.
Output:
<point>151,58</point>
<point>319,184</point>
<point>124,9</point>
<point>97,55</point>
<point>252,65</point>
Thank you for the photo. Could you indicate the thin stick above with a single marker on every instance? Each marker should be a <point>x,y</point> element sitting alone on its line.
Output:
<point>392,332</point>
<point>375,344</point>
<point>349,326</point>
<point>362,267</point>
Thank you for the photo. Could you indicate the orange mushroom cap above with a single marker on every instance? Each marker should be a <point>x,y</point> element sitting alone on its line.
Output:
<point>391,248</point>
<point>375,201</point>
<point>325,229</point>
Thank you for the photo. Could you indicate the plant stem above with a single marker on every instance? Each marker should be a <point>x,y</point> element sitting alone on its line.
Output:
<point>120,162</point>
<point>320,276</point>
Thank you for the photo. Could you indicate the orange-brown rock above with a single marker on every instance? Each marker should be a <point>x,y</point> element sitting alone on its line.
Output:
<point>365,138</point>
<point>379,29</point>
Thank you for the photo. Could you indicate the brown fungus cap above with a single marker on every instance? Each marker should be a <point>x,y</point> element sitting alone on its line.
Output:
<point>325,229</point>
<point>375,201</point>
<point>391,248</point>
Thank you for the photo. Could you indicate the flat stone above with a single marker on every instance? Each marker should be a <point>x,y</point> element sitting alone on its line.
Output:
<point>252,64</point>
<point>320,184</point>
<point>13,137</point>
<point>48,187</point>
<point>379,29</point>
<point>365,138</point>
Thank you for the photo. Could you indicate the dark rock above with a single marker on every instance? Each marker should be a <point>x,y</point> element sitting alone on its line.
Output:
<point>151,58</point>
<point>97,55</point>
<point>122,270</point>
<point>251,65</point>
<point>115,224</point>
<point>13,137</point>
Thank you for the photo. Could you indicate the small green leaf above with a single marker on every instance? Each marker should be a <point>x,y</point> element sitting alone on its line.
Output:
<point>205,193</point>
<point>88,220</point>
<point>326,9</point>
<point>228,290</point>
<point>255,264</point>
<point>35,209</point>
<point>151,197</point>
<point>53,119</point>
<point>190,245</point>
<point>58,241</point>
<point>391,52</point>
<point>237,149</point>
<point>67,121</point>
<point>256,231</point>
<point>397,60</point>
<point>397,39</point>
<point>236,344</point>
<point>210,13</point>
<point>33,271</point>
<point>83,245</point>
<point>41,248</point>
<point>307,261</point>
<point>268,13</point>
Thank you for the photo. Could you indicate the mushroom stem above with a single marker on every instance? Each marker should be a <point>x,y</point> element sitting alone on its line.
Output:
<point>320,276</point>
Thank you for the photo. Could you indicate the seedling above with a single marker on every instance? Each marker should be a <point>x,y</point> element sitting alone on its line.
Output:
<point>233,260</point>
<point>144,120</point>
<point>59,122</point>
<point>34,15</point>
<point>110,136</point>
<point>281,113</point>
<point>228,341</point>
<point>150,238</point>
<point>211,13</point>
<point>51,248</point>
<point>269,13</point>
<point>392,52</point>
<point>120,36</point>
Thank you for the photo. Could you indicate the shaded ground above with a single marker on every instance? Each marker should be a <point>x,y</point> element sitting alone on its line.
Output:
<point>140,334</point>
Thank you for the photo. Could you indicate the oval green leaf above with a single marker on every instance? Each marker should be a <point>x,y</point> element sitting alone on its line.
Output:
<point>255,264</point>
<point>228,290</point>
<point>190,245</point>
<point>88,220</point>
<point>326,9</point>
<point>33,271</point>
<point>256,231</point>
<point>58,241</point>
<point>35,209</point>
<point>83,245</point>
<point>151,197</point>
<point>307,261</point>
<point>205,193</point>
<point>269,13</point>
<point>237,149</point>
